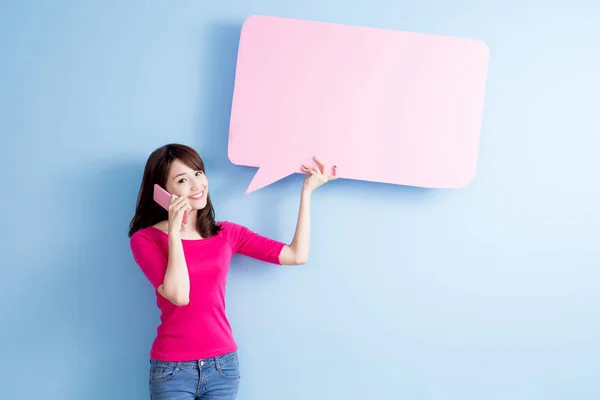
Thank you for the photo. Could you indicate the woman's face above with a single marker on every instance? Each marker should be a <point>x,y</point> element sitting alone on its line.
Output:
<point>192,184</point>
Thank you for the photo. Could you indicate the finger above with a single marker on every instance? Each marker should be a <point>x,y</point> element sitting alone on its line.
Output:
<point>175,199</point>
<point>318,160</point>
<point>335,173</point>
<point>310,170</point>
<point>315,170</point>
<point>322,164</point>
<point>176,203</point>
<point>184,206</point>
<point>176,208</point>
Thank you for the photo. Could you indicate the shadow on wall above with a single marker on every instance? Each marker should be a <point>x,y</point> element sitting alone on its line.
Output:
<point>216,95</point>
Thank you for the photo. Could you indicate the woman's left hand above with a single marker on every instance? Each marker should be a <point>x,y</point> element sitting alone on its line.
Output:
<point>317,175</point>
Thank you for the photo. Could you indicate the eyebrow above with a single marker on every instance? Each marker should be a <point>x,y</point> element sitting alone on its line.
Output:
<point>184,173</point>
<point>177,176</point>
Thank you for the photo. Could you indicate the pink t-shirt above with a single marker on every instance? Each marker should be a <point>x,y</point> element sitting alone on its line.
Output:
<point>199,329</point>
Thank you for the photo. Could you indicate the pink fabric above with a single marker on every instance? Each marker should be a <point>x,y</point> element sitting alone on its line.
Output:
<point>200,329</point>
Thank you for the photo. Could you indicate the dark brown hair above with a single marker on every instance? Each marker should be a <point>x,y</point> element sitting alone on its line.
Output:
<point>147,211</point>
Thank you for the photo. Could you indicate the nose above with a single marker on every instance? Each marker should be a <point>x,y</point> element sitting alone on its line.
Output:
<point>196,183</point>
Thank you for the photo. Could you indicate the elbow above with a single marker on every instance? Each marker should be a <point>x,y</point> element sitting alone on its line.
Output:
<point>177,297</point>
<point>300,260</point>
<point>180,300</point>
<point>290,256</point>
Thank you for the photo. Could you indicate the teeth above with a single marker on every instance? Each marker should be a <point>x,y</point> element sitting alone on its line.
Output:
<point>198,195</point>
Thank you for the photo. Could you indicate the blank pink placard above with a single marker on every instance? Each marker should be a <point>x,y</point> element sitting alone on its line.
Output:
<point>385,106</point>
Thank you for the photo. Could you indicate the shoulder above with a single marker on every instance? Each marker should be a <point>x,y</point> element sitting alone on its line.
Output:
<point>162,226</point>
<point>232,232</point>
<point>230,229</point>
<point>149,236</point>
<point>228,226</point>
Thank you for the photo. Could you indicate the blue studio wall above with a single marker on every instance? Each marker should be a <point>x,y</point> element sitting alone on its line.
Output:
<point>488,292</point>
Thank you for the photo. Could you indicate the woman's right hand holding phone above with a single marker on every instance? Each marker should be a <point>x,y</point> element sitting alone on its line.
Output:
<point>177,207</point>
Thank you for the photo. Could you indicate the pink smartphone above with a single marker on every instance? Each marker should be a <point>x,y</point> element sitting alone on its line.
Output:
<point>162,197</point>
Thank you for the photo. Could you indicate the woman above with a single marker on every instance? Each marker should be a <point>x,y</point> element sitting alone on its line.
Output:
<point>194,355</point>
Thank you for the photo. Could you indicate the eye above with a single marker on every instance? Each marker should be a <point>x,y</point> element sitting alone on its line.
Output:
<point>199,173</point>
<point>182,180</point>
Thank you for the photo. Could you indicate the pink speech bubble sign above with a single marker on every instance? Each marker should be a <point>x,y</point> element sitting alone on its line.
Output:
<point>382,105</point>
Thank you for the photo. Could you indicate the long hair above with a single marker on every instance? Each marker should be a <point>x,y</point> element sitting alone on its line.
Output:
<point>147,211</point>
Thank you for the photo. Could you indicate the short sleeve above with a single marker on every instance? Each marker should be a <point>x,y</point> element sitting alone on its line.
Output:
<point>150,257</point>
<point>251,244</point>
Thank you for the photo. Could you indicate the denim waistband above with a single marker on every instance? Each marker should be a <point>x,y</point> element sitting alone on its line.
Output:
<point>208,362</point>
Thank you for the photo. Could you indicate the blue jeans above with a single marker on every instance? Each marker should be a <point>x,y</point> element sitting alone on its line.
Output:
<point>216,378</point>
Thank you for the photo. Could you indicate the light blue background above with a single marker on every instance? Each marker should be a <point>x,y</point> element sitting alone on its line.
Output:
<point>489,292</point>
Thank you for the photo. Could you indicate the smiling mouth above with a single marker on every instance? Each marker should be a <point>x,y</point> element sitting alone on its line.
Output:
<point>198,196</point>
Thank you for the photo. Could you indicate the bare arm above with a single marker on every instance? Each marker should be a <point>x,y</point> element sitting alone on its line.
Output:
<point>297,251</point>
<point>176,284</point>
